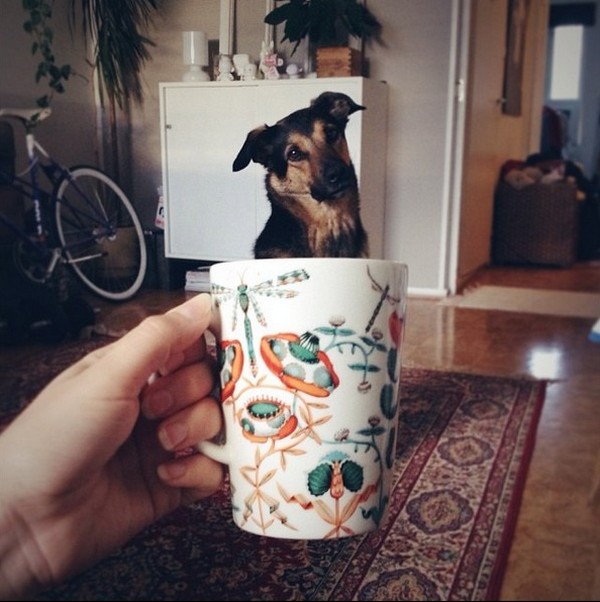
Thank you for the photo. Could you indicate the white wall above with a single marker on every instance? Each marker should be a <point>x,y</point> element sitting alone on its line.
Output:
<point>417,63</point>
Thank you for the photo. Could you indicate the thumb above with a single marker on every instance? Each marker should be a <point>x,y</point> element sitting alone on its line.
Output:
<point>148,347</point>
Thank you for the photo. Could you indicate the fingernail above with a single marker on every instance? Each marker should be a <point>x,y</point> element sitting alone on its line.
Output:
<point>172,434</point>
<point>157,404</point>
<point>171,471</point>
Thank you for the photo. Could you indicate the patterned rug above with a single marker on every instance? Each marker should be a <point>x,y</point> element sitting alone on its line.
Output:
<point>465,443</point>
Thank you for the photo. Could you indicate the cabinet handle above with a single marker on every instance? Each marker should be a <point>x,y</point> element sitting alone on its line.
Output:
<point>168,126</point>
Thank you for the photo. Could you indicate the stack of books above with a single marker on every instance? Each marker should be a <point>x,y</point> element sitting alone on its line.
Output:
<point>198,280</point>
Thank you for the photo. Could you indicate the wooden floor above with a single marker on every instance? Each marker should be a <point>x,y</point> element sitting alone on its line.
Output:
<point>555,553</point>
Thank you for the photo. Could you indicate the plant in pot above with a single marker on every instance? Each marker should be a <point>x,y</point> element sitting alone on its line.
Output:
<point>116,35</point>
<point>328,25</point>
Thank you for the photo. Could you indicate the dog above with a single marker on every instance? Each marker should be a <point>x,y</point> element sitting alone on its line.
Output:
<point>310,182</point>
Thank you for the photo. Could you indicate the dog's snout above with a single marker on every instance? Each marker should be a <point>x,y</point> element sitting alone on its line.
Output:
<point>333,181</point>
<point>336,173</point>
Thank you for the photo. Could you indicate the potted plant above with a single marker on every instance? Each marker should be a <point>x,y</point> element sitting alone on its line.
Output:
<point>116,34</point>
<point>328,26</point>
<point>119,52</point>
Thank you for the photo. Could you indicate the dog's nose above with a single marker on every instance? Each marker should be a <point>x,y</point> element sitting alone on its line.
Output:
<point>336,173</point>
<point>339,177</point>
<point>336,177</point>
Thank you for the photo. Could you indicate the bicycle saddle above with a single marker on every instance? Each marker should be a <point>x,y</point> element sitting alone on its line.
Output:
<point>27,115</point>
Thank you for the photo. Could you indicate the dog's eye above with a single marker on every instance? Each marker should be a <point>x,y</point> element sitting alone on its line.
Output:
<point>331,134</point>
<point>294,154</point>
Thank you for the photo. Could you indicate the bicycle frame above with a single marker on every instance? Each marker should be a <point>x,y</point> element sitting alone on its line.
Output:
<point>83,220</point>
<point>54,172</point>
<point>32,190</point>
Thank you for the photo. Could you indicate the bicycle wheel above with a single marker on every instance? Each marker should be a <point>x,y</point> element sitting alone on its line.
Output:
<point>100,233</point>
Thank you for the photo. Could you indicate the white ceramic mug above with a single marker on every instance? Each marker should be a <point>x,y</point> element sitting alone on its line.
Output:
<point>309,352</point>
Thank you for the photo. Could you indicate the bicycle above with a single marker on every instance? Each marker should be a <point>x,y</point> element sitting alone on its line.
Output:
<point>86,221</point>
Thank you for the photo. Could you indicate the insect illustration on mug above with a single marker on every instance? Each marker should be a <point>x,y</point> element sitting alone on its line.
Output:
<point>385,296</point>
<point>245,297</point>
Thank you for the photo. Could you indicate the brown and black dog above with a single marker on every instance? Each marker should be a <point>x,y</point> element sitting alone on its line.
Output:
<point>311,182</point>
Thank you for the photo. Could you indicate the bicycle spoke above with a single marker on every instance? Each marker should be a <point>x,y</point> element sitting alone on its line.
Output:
<point>101,234</point>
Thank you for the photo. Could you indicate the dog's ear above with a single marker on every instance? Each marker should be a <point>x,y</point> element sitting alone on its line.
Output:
<point>254,149</point>
<point>337,105</point>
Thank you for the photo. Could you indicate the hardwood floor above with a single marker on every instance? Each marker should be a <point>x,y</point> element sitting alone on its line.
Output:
<point>555,554</point>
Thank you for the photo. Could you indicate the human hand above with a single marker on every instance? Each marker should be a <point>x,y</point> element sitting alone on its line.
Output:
<point>89,463</point>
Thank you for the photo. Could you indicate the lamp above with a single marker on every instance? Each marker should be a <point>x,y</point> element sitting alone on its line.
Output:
<point>195,55</point>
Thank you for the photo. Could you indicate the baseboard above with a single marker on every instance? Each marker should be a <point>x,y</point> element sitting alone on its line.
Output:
<point>435,293</point>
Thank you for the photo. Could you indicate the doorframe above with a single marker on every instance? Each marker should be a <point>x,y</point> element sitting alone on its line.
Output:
<point>462,13</point>
<point>455,139</point>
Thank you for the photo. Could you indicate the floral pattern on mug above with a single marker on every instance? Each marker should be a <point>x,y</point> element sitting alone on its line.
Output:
<point>282,415</point>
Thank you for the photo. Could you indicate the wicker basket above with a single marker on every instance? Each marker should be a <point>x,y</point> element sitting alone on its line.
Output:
<point>535,225</point>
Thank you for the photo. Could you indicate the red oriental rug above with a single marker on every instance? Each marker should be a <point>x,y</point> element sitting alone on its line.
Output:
<point>465,443</point>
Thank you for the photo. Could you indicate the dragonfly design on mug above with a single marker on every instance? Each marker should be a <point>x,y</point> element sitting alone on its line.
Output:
<point>245,297</point>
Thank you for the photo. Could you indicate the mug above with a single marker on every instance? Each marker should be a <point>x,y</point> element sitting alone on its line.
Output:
<point>309,358</point>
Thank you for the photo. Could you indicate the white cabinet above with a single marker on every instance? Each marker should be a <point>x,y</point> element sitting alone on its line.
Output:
<point>213,213</point>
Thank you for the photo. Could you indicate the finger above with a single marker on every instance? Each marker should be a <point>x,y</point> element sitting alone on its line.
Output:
<point>197,352</point>
<point>118,375</point>
<point>150,346</point>
<point>190,425</point>
<point>175,391</point>
<point>196,473</point>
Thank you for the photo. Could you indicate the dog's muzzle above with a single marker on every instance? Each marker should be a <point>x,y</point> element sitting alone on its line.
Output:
<point>335,179</point>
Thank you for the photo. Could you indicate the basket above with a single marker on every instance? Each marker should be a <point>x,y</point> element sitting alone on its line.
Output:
<point>536,225</point>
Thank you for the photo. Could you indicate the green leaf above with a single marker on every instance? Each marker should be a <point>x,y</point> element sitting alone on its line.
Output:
<point>387,401</point>
<point>390,450</point>
<point>373,343</point>
<point>280,14</point>
<point>41,71</point>
<point>372,431</point>
<point>43,101</point>
<point>358,367</point>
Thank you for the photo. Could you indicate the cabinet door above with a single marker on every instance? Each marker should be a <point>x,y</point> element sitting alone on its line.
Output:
<point>210,212</point>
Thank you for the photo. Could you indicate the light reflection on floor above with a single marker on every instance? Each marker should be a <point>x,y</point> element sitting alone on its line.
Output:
<point>545,362</point>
